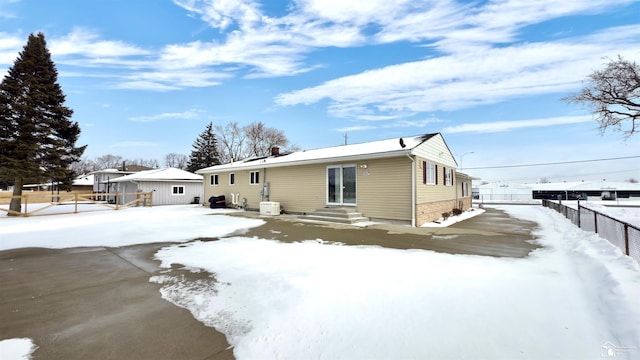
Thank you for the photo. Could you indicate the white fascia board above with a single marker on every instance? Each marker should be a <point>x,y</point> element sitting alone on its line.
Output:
<point>262,164</point>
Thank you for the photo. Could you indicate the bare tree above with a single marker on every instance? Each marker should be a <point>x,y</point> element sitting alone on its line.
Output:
<point>254,140</point>
<point>632,180</point>
<point>151,163</point>
<point>174,160</point>
<point>613,94</point>
<point>83,166</point>
<point>231,142</point>
<point>544,180</point>
<point>108,161</point>
<point>261,139</point>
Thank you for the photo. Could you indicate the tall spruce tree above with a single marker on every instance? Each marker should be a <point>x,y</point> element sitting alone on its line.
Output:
<point>205,151</point>
<point>37,137</point>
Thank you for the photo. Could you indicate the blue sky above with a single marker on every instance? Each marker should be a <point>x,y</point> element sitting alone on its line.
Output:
<point>145,77</point>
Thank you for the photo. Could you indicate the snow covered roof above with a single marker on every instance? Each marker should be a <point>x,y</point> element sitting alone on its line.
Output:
<point>368,150</point>
<point>84,180</point>
<point>111,171</point>
<point>569,186</point>
<point>167,174</point>
<point>586,186</point>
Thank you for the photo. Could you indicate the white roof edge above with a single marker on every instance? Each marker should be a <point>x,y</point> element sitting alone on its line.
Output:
<point>261,165</point>
<point>155,180</point>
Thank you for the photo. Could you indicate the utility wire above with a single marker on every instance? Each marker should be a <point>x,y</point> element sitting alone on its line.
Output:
<point>571,176</point>
<point>553,163</point>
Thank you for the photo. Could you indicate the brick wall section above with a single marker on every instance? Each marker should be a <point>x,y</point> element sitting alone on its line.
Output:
<point>428,212</point>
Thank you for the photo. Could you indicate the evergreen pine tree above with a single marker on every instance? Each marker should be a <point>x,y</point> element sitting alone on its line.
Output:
<point>37,137</point>
<point>205,151</point>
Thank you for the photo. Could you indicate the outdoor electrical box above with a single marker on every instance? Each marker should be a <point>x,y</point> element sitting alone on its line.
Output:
<point>265,190</point>
<point>270,208</point>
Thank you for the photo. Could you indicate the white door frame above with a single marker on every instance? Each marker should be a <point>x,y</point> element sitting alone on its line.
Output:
<point>338,196</point>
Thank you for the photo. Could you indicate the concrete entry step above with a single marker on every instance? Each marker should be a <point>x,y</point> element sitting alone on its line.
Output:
<point>337,215</point>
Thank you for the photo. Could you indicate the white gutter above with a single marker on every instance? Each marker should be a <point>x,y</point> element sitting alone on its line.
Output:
<point>263,164</point>
<point>413,189</point>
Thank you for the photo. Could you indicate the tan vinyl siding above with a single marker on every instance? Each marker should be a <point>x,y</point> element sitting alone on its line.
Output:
<point>241,186</point>
<point>298,189</point>
<point>383,188</point>
<point>435,149</point>
<point>432,193</point>
<point>385,193</point>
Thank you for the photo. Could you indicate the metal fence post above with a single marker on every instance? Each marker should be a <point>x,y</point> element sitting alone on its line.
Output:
<point>595,222</point>
<point>626,238</point>
<point>579,214</point>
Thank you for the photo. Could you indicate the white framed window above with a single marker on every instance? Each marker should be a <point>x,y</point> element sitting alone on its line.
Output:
<point>465,189</point>
<point>255,178</point>
<point>429,173</point>
<point>213,180</point>
<point>232,178</point>
<point>448,177</point>
<point>177,190</point>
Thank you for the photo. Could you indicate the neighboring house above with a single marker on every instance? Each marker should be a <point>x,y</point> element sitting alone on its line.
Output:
<point>583,189</point>
<point>170,186</point>
<point>576,190</point>
<point>80,183</point>
<point>102,178</point>
<point>411,180</point>
<point>503,192</point>
<point>83,183</point>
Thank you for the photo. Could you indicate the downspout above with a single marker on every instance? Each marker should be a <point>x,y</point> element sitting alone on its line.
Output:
<point>264,185</point>
<point>413,189</point>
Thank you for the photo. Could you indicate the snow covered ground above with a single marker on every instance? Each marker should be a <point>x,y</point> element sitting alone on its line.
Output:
<point>17,349</point>
<point>129,226</point>
<point>575,298</point>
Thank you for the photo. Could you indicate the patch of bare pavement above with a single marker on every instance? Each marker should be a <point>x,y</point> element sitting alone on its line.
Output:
<point>493,233</point>
<point>98,303</point>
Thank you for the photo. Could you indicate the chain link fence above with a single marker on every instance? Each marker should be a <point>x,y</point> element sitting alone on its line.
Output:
<point>622,234</point>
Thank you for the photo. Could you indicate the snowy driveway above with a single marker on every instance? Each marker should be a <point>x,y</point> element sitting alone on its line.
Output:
<point>573,299</point>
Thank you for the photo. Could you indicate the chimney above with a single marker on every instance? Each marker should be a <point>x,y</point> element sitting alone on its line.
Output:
<point>275,151</point>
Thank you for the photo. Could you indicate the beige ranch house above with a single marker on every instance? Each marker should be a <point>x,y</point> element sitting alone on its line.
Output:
<point>410,180</point>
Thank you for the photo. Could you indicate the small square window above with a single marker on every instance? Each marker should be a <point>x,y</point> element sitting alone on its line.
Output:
<point>448,176</point>
<point>255,177</point>
<point>430,173</point>
<point>213,179</point>
<point>177,190</point>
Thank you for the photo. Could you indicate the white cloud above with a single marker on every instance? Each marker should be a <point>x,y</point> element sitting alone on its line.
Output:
<point>355,128</point>
<point>169,79</point>
<point>189,114</point>
<point>500,126</point>
<point>82,42</point>
<point>255,44</point>
<point>395,124</point>
<point>10,46</point>
<point>4,9</point>
<point>463,80</point>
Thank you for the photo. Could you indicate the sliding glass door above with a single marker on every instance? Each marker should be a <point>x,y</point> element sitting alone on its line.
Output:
<point>341,185</point>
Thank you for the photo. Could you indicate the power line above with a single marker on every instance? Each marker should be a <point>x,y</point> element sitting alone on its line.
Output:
<point>553,163</point>
<point>606,173</point>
